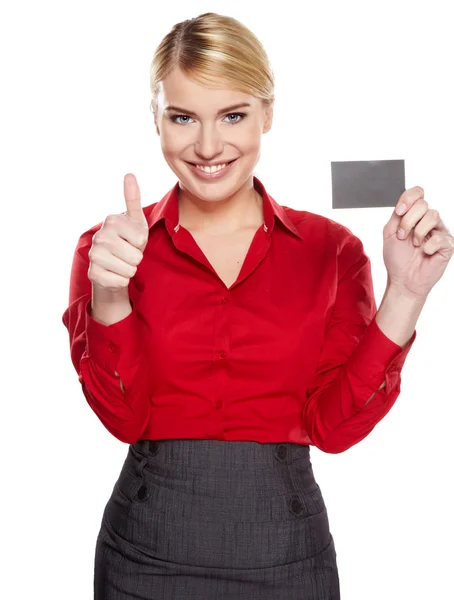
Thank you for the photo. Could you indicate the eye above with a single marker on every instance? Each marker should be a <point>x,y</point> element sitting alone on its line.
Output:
<point>175,117</point>
<point>242,115</point>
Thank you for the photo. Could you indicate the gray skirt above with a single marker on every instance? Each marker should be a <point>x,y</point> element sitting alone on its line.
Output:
<point>207,519</point>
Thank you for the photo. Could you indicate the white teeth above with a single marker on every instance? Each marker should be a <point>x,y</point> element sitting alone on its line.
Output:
<point>211,169</point>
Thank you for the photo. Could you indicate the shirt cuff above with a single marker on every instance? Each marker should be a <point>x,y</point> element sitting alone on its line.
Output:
<point>377,358</point>
<point>115,346</point>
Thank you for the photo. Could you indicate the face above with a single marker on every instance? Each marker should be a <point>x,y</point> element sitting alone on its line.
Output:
<point>204,132</point>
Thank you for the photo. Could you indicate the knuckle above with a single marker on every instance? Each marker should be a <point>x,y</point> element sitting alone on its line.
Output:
<point>414,193</point>
<point>98,238</point>
<point>142,234</point>
<point>136,258</point>
<point>422,202</point>
<point>434,240</point>
<point>110,219</point>
<point>93,273</point>
<point>93,253</point>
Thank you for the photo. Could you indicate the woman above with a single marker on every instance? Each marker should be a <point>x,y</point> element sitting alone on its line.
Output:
<point>220,335</point>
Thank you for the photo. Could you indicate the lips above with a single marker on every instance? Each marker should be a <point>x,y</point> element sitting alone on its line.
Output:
<point>215,175</point>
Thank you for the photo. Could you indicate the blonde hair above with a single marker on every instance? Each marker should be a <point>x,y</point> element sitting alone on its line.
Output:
<point>217,51</point>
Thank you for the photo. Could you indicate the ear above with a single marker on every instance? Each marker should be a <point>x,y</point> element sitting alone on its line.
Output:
<point>156,125</point>
<point>268,118</point>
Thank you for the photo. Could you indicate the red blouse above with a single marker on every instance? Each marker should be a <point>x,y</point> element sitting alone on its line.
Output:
<point>290,352</point>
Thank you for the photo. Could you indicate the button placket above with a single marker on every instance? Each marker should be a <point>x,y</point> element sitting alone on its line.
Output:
<point>295,505</point>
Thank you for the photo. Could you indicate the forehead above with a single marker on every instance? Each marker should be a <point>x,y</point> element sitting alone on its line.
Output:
<point>180,90</point>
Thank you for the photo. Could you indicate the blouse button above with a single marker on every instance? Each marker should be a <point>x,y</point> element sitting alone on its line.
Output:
<point>218,404</point>
<point>224,300</point>
<point>112,347</point>
<point>222,354</point>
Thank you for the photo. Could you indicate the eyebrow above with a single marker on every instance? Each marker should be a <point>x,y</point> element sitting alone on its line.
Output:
<point>193,114</point>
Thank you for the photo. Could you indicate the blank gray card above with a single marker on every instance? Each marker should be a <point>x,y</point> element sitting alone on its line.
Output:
<point>367,183</point>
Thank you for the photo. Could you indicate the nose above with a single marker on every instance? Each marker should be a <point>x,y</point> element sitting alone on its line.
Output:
<point>209,143</point>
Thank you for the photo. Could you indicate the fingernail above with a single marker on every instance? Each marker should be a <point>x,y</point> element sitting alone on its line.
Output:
<point>401,209</point>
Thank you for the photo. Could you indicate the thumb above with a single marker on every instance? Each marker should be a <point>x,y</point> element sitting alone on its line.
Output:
<point>132,198</point>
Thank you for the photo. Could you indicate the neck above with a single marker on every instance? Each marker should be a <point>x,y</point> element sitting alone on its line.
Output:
<point>244,209</point>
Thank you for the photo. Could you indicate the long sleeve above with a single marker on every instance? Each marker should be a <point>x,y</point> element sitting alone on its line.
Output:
<point>108,359</point>
<point>355,360</point>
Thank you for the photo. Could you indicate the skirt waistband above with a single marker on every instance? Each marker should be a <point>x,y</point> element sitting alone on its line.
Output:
<point>202,453</point>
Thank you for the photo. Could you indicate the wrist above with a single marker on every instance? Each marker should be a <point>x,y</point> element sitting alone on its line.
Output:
<point>108,297</point>
<point>110,307</point>
<point>399,292</point>
<point>398,314</point>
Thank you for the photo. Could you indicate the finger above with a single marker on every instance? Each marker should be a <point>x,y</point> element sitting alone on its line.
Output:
<point>106,279</point>
<point>132,198</point>
<point>415,215</point>
<point>408,198</point>
<point>408,220</point>
<point>427,224</point>
<point>127,251</point>
<point>115,227</point>
<point>103,258</point>
<point>439,242</point>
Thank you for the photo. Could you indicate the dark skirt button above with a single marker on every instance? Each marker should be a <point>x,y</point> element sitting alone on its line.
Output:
<point>296,505</point>
<point>282,452</point>
<point>142,492</point>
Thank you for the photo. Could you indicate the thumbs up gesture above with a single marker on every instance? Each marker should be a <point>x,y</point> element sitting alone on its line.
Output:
<point>117,248</point>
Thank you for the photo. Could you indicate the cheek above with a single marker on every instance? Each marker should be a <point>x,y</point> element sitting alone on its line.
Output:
<point>248,137</point>
<point>168,145</point>
<point>172,141</point>
<point>250,145</point>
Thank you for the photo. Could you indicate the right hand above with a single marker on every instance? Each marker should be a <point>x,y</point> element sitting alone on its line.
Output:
<point>117,248</point>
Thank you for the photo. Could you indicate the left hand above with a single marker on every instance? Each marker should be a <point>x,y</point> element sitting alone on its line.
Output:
<point>418,261</point>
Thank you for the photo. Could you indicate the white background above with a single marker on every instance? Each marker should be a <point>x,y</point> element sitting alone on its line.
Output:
<point>354,81</point>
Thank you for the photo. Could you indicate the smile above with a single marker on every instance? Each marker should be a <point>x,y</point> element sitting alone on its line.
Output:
<point>212,172</point>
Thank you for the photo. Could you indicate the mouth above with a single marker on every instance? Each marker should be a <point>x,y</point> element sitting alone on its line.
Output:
<point>216,174</point>
<point>227,163</point>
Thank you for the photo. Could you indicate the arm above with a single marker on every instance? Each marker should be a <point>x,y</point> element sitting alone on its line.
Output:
<point>358,375</point>
<point>397,318</point>
<point>107,357</point>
